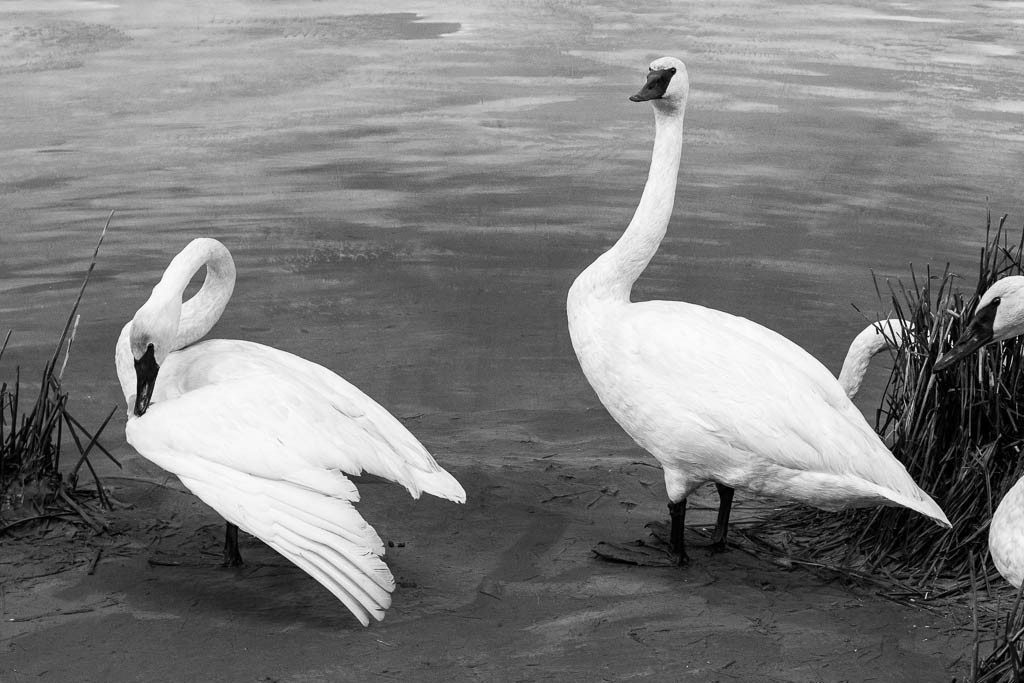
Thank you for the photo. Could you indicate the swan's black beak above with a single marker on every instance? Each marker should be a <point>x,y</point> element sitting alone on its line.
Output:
<point>978,333</point>
<point>656,85</point>
<point>146,369</point>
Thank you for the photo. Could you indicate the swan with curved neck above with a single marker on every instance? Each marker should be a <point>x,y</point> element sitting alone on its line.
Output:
<point>264,437</point>
<point>999,315</point>
<point>872,340</point>
<point>714,397</point>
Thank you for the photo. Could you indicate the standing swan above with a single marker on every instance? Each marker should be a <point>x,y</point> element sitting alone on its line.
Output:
<point>999,315</point>
<point>263,437</point>
<point>714,397</point>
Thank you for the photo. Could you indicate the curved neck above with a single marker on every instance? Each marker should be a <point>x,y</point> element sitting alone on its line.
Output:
<point>201,312</point>
<point>125,364</point>
<point>872,340</point>
<point>615,271</point>
<point>168,322</point>
<point>855,366</point>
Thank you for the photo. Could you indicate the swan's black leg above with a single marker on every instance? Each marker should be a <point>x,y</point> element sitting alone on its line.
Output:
<point>718,543</point>
<point>232,558</point>
<point>677,544</point>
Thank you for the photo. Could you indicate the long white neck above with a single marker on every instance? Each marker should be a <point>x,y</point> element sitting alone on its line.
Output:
<point>612,275</point>
<point>200,313</point>
<point>872,340</point>
<point>125,364</point>
<point>194,318</point>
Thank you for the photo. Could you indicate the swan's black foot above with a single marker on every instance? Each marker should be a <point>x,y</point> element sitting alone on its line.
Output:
<point>667,546</point>
<point>716,546</point>
<point>232,558</point>
<point>661,531</point>
<point>640,553</point>
<point>655,551</point>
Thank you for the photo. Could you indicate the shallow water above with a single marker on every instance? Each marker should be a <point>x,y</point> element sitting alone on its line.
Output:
<point>409,194</point>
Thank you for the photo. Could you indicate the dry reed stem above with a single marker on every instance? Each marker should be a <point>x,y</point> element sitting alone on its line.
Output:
<point>31,442</point>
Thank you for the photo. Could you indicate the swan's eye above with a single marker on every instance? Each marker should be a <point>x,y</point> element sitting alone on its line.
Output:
<point>672,71</point>
<point>997,300</point>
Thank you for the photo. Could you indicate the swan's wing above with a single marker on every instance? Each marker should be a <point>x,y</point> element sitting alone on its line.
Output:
<point>325,537</point>
<point>346,429</point>
<point>743,388</point>
<point>250,468</point>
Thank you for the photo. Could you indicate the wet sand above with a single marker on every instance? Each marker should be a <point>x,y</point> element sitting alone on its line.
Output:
<point>408,196</point>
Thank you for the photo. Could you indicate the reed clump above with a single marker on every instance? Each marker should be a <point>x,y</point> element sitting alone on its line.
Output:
<point>997,655</point>
<point>34,433</point>
<point>959,433</point>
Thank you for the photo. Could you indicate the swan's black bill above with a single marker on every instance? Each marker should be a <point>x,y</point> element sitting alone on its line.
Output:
<point>977,334</point>
<point>146,369</point>
<point>656,85</point>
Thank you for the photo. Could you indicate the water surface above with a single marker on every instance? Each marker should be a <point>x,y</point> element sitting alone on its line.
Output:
<point>409,193</point>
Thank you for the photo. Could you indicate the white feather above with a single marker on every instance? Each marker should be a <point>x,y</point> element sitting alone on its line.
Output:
<point>1006,535</point>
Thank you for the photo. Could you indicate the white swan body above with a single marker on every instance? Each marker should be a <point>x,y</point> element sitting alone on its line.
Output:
<point>1006,535</point>
<point>712,396</point>
<point>999,315</point>
<point>265,437</point>
<point>872,340</point>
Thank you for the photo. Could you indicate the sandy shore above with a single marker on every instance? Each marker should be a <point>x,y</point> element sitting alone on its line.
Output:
<point>503,588</point>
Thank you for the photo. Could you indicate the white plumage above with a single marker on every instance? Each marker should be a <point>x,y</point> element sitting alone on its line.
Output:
<point>1006,535</point>
<point>715,397</point>
<point>265,437</point>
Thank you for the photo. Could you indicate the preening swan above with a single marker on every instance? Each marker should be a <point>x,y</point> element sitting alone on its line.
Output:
<point>714,397</point>
<point>871,341</point>
<point>264,437</point>
<point>999,315</point>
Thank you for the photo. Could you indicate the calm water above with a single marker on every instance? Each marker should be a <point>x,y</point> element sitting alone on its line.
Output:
<point>409,193</point>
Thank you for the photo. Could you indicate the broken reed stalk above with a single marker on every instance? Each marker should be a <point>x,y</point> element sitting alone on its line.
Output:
<point>31,440</point>
<point>959,433</point>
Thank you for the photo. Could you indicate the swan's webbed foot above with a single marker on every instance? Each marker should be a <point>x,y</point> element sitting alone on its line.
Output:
<point>232,557</point>
<point>665,548</point>
<point>640,552</point>
<point>716,547</point>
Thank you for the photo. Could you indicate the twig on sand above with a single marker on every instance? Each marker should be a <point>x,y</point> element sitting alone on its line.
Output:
<point>86,517</point>
<point>645,464</point>
<point>162,563</point>
<point>570,495</point>
<point>18,522</point>
<point>95,561</point>
<point>109,602</point>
